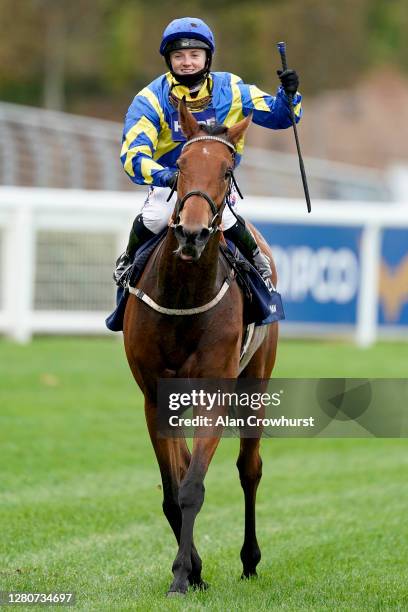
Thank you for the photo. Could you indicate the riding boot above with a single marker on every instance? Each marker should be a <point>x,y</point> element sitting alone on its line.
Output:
<point>139,234</point>
<point>243,238</point>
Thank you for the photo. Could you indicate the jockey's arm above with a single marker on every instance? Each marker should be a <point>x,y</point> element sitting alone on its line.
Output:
<point>140,139</point>
<point>269,111</point>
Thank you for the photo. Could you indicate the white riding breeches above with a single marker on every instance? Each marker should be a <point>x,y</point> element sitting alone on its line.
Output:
<point>156,212</point>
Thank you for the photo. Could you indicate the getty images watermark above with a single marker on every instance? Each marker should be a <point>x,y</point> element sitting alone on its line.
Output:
<point>214,402</point>
<point>334,407</point>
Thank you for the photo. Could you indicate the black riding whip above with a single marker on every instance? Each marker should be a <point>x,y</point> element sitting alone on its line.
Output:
<point>282,50</point>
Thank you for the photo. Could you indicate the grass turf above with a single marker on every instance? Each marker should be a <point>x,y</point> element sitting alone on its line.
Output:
<point>80,497</point>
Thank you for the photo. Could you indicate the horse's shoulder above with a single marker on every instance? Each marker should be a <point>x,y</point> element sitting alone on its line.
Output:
<point>148,276</point>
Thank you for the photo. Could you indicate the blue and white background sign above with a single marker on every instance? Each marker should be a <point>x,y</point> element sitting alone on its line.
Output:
<point>318,271</point>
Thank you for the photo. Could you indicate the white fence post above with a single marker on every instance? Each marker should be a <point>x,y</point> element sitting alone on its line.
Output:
<point>367,308</point>
<point>19,271</point>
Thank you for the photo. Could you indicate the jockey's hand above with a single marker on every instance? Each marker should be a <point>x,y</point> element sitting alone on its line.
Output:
<point>289,80</point>
<point>167,177</point>
<point>172,180</point>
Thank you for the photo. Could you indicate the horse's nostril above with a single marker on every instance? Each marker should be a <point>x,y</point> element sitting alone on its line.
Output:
<point>204,234</point>
<point>190,236</point>
<point>179,231</point>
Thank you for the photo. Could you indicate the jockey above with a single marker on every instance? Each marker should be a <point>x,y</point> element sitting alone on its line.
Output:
<point>152,139</point>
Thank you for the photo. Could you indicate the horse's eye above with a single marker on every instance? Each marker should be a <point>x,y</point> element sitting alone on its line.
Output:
<point>228,174</point>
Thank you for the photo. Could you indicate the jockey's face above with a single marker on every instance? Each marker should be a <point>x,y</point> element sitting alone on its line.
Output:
<point>188,61</point>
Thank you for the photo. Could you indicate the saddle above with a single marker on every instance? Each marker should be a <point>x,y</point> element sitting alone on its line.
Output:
<point>261,307</point>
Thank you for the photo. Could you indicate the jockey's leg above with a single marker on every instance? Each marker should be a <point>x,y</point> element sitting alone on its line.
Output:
<point>138,235</point>
<point>153,218</point>
<point>236,230</point>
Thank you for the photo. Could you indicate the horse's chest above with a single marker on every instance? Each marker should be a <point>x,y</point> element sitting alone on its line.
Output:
<point>186,345</point>
<point>181,339</point>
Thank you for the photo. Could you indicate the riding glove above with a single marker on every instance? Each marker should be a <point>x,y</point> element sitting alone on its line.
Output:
<point>167,177</point>
<point>172,180</point>
<point>289,80</point>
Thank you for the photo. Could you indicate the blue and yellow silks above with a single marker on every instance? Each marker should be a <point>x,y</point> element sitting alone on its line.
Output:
<point>149,149</point>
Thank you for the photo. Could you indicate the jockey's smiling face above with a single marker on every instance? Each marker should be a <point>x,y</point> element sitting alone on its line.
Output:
<point>187,61</point>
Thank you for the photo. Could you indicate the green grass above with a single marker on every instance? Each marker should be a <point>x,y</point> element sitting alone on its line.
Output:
<point>80,496</point>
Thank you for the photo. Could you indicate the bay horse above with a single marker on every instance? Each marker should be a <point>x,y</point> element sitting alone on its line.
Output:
<point>186,271</point>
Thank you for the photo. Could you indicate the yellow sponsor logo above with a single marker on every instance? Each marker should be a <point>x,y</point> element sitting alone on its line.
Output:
<point>393,289</point>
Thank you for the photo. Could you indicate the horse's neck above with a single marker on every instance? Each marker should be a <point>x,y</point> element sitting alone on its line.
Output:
<point>182,284</point>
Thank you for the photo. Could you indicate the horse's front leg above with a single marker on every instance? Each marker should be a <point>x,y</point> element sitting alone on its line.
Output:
<point>249,462</point>
<point>173,458</point>
<point>191,497</point>
<point>249,465</point>
<point>172,511</point>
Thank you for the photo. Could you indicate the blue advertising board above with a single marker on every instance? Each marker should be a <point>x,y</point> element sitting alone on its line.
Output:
<point>318,271</point>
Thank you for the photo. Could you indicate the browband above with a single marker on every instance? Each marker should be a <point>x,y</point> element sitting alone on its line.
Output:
<point>200,138</point>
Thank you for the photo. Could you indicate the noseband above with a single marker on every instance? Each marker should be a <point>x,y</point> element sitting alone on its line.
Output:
<point>216,212</point>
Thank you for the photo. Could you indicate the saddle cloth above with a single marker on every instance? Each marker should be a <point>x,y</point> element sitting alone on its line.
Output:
<point>261,307</point>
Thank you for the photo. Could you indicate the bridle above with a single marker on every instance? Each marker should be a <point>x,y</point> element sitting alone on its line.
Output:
<point>216,212</point>
<point>214,226</point>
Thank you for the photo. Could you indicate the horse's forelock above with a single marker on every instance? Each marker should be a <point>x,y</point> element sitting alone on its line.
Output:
<point>217,129</point>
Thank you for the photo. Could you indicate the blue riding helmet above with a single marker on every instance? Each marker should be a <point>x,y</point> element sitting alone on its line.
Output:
<point>187,28</point>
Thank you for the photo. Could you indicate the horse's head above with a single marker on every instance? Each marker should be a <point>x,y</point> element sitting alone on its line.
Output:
<point>204,179</point>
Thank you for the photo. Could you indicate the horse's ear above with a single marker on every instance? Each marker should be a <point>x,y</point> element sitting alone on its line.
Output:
<point>236,131</point>
<point>188,124</point>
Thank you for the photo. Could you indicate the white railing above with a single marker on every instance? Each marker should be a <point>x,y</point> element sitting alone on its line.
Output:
<point>58,247</point>
<point>43,148</point>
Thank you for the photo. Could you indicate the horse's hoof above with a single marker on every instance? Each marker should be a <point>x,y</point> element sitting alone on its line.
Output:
<point>200,586</point>
<point>175,594</point>
<point>249,575</point>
